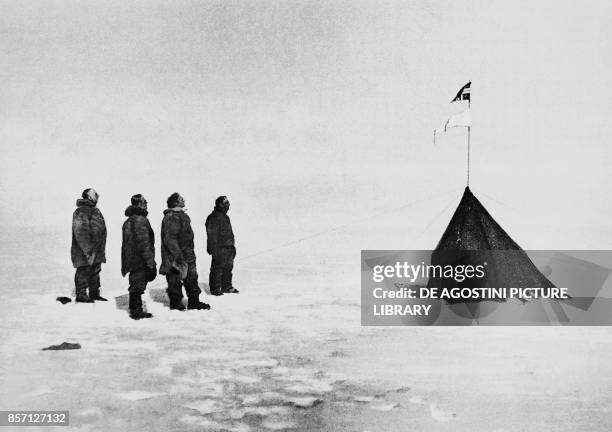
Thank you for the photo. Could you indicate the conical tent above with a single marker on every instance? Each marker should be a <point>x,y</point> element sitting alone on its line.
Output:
<point>473,237</point>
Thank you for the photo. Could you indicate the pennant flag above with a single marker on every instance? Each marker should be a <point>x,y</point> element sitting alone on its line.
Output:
<point>463,119</point>
<point>464,93</point>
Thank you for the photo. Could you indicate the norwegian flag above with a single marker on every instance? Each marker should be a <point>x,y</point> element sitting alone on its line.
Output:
<point>464,93</point>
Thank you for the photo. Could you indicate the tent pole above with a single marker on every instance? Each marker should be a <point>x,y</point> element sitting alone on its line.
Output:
<point>468,158</point>
<point>468,149</point>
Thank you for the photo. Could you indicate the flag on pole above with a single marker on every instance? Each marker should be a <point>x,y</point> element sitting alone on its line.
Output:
<point>463,119</point>
<point>464,93</point>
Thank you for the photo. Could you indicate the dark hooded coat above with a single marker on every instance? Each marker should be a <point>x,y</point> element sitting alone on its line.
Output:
<point>88,235</point>
<point>218,230</point>
<point>177,247</point>
<point>138,247</point>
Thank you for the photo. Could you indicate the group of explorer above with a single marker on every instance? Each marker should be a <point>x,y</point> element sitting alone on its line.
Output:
<point>138,251</point>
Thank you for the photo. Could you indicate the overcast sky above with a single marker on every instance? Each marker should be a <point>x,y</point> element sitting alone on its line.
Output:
<point>307,104</point>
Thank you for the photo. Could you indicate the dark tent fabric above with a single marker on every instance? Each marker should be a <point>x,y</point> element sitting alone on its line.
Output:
<point>474,237</point>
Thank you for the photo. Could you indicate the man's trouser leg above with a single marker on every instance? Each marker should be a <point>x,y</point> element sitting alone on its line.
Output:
<point>191,281</point>
<point>81,279</point>
<point>138,285</point>
<point>175,289</point>
<point>216,273</point>
<point>94,280</point>
<point>229,253</point>
<point>193,290</point>
<point>81,282</point>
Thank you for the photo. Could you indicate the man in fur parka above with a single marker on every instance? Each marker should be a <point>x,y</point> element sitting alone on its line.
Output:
<point>138,254</point>
<point>88,247</point>
<point>178,256</point>
<point>220,244</point>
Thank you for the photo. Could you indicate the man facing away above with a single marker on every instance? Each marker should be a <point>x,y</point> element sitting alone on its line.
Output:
<point>220,244</point>
<point>138,254</point>
<point>178,256</point>
<point>88,247</point>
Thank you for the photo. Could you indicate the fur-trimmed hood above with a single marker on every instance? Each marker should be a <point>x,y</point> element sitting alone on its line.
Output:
<point>82,202</point>
<point>175,209</point>
<point>135,210</point>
